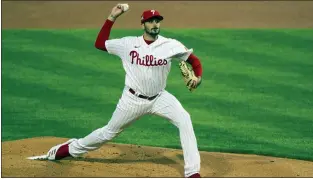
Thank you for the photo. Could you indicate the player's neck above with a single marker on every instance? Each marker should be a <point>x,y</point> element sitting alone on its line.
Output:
<point>148,37</point>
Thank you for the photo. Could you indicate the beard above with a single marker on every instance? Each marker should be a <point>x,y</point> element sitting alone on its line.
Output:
<point>153,32</point>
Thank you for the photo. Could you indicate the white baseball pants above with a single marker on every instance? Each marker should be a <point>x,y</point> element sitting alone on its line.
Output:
<point>130,108</point>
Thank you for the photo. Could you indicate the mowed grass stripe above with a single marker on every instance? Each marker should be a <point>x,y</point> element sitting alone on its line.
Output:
<point>256,96</point>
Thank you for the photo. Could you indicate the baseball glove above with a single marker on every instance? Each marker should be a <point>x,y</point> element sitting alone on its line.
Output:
<point>189,76</point>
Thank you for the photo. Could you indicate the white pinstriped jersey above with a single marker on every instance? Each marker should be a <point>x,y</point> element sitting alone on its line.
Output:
<point>147,66</point>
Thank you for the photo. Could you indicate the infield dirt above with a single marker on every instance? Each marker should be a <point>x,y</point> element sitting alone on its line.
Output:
<point>126,160</point>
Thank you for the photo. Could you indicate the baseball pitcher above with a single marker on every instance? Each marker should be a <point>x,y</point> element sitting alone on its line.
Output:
<point>147,61</point>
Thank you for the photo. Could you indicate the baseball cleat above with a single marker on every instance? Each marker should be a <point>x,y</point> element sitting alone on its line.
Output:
<point>196,175</point>
<point>60,151</point>
<point>40,157</point>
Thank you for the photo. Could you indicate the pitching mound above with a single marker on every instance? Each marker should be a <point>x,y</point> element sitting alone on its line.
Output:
<point>121,160</point>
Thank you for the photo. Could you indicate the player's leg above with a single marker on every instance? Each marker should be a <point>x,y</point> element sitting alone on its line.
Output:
<point>127,111</point>
<point>169,107</point>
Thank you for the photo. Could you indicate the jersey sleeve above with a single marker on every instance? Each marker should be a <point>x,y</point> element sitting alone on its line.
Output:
<point>184,55</point>
<point>116,46</point>
<point>181,52</point>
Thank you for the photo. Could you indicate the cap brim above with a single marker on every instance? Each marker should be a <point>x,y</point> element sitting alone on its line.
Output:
<point>157,16</point>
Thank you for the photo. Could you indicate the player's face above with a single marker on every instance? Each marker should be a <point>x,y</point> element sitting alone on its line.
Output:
<point>152,26</point>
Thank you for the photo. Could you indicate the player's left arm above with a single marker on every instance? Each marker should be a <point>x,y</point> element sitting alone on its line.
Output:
<point>194,61</point>
<point>186,55</point>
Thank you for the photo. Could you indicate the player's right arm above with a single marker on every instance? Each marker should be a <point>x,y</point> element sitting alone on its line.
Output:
<point>104,33</point>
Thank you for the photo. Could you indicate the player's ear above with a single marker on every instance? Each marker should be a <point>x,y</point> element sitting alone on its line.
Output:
<point>143,26</point>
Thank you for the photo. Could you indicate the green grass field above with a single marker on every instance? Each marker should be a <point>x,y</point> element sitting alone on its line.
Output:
<point>256,97</point>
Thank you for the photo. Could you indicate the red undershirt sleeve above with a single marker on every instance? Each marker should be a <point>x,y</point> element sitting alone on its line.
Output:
<point>196,64</point>
<point>104,35</point>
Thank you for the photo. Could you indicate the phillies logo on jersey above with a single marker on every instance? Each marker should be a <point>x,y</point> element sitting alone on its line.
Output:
<point>148,60</point>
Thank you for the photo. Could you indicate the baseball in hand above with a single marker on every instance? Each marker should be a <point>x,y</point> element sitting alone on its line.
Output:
<point>125,7</point>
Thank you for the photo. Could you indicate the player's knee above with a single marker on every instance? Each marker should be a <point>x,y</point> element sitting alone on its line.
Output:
<point>187,115</point>
<point>185,119</point>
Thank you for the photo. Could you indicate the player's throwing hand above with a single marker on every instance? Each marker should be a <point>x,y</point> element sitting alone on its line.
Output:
<point>117,11</point>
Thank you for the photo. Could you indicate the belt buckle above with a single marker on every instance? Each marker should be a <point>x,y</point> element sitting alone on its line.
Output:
<point>137,94</point>
<point>141,96</point>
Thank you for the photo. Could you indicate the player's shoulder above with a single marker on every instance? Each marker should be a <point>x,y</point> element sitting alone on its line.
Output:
<point>163,38</point>
<point>129,38</point>
<point>171,40</point>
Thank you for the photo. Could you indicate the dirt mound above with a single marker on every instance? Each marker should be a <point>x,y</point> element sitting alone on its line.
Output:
<point>121,160</point>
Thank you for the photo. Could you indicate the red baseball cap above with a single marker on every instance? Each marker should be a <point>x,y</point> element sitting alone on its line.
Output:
<point>149,14</point>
